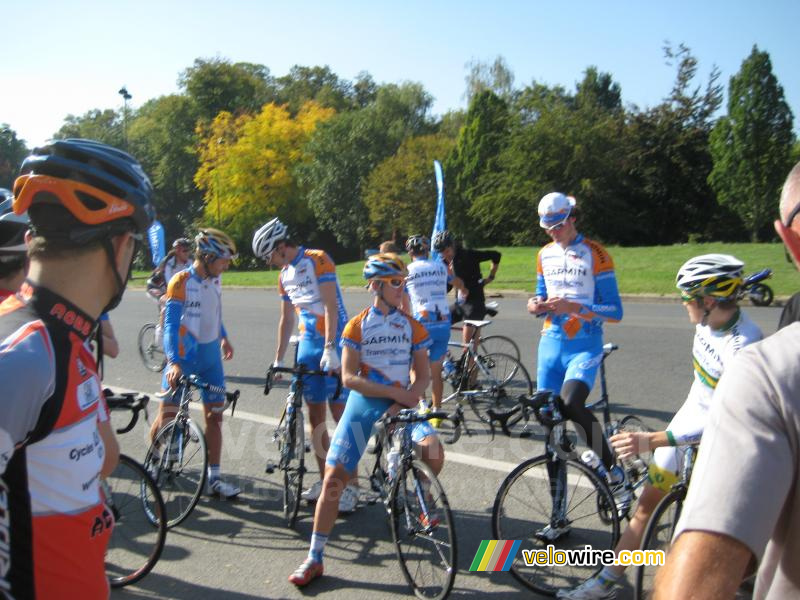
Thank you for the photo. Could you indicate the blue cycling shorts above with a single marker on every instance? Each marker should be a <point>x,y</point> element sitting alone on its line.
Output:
<point>355,428</point>
<point>439,338</point>
<point>206,363</point>
<point>560,360</point>
<point>317,390</point>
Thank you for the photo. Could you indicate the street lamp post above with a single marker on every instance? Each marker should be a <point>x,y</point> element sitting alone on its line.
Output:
<point>123,91</point>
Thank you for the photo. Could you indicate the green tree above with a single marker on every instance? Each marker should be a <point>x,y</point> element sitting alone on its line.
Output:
<point>496,77</point>
<point>401,191</point>
<point>12,152</point>
<point>667,161</point>
<point>752,145</point>
<point>162,137</point>
<point>217,84</point>
<point>349,146</point>
<point>319,84</point>
<point>101,125</point>
<point>476,153</point>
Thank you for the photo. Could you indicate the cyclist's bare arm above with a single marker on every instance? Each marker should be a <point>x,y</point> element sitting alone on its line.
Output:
<point>629,443</point>
<point>459,286</point>
<point>285,329</point>
<point>327,291</point>
<point>111,456</point>
<point>704,565</point>
<point>351,379</point>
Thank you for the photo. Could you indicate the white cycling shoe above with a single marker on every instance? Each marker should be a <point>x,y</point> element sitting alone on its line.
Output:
<point>223,489</point>
<point>548,533</point>
<point>591,589</point>
<point>348,501</point>
<point>312,494</point>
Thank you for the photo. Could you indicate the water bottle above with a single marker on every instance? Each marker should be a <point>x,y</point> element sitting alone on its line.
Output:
<point>591,460</point>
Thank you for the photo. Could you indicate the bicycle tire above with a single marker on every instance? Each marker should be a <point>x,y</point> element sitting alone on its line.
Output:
<point>140,527</point>
<point>524,506</point>
<point>429,567</point>
<point>291,448</point>
<point>152,354</point>
<point>500,379</point>
<point>637,466</point>
<point>498,344</point>
<point>760,294</point>
<point>181,474</point>
<point>658,536</point>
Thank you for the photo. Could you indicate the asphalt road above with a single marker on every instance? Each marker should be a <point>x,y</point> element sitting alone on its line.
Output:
<point>242,549</point>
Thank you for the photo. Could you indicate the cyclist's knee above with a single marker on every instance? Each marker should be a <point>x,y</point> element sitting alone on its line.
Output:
<point>316,413</point>
<point>574,393</point>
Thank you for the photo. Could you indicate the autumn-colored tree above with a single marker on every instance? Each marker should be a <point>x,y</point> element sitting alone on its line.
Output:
<point>401,191</point>
<point>247,167</point>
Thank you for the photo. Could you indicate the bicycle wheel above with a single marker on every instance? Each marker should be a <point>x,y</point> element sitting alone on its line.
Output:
<point>152,353</point>
<point>177,459</point>
<point>498,344</point>
<point>291,447</point>
<point>422,530</point>
<point>139,523</point>
<point>499,380</point>
<point>637,465</point>
<point>532,506</point>
<point>658,536</point>
<point>760,294</point>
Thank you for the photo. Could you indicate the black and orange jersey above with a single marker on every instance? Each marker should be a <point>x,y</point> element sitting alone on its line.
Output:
<point>56,526</point>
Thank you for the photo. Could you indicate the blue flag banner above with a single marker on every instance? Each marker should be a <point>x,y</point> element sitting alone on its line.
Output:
<point>156,236</point>
<point>440,222</point>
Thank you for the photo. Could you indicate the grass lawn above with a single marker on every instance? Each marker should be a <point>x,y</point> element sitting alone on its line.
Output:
<point>645,270</point>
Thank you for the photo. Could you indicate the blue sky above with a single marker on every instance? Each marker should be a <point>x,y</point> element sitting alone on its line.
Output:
<point>68,57</point>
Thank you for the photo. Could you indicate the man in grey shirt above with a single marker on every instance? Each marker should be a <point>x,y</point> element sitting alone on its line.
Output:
<point>743,506</point>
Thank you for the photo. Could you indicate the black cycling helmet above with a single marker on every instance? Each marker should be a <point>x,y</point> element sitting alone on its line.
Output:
<point>418,244</point>
<point>99,185</point>
<point>12,231</point>
<point>442,240</point>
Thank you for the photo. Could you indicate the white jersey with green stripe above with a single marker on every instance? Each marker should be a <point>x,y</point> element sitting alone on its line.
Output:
<point>713,349</point>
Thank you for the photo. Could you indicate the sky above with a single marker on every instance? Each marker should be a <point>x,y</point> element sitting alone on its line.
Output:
<point>59,58</point>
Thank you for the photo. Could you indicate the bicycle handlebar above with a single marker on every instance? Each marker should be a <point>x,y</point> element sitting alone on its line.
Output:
<point>132,401</point>
<point>300,370</point>
<point>410,415</point>
<point>231,398</point>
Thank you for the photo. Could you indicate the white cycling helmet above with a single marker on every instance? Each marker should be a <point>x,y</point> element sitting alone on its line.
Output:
<point>554,209</point>
<point>717,275</point>
<point>267,236</point>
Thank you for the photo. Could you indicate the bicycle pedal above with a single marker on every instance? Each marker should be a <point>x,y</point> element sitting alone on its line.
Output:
<point>270,468</point>
<point>307,445</point>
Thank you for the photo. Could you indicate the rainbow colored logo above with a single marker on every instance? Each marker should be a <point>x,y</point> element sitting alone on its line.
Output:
<point>495,555</point>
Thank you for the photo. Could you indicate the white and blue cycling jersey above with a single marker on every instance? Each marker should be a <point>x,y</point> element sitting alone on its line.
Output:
<point>426,285</point>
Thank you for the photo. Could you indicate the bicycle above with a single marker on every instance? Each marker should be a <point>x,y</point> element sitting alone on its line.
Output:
<point>661,526</point>
<point>556,499</point>
<point>150,350</point>
<point>132,401</point>
<point>485,381</point>
<point>140,525</point>
<point>177,458</point>
<point>290,435</point>
<point>493,344</point>
<point>419,513</point>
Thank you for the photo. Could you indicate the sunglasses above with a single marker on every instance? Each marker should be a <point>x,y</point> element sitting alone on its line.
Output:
<point>556,227</point>
<point>790,237</point>
<point>686,298</point>
<point>395,283</point>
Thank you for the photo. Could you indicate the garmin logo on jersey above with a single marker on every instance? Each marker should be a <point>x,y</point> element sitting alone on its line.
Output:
<point>387,339</point>
<point>421,274</point>
<point>72,319</point>
<point>572,271</point>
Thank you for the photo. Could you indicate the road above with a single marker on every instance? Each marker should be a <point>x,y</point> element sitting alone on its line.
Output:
<point>241,549</point>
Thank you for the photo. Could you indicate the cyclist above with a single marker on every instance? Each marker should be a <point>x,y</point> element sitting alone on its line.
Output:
<point>465,265</point>
<point>426,287</point>
<point>193,337</point>
<point>576,291</point>
<point>13,250</point>
<point>176,260</point>
<point>89,204</point>
<point>308,286</point>
<point>382,347</point>
<point>709,286</point>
